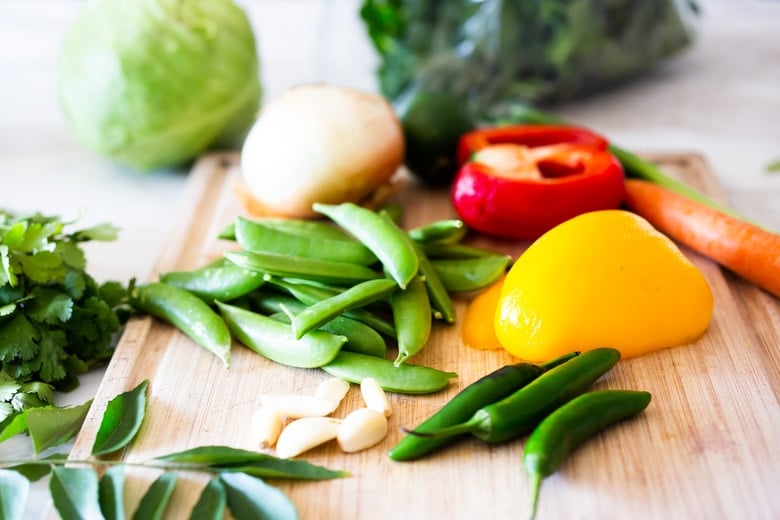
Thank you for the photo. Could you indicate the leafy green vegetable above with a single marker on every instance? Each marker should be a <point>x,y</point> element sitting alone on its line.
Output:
<point>152,83</point>
<point>121,421</point>
<point>111,493</point>
<point>14,489</point>
<point>439,59</point>
<point>212,503</point>
<point>250,497</point>
<point>258,464</point>
<point>75,492</point>
<point>56,321</point>
<point>156,498</point>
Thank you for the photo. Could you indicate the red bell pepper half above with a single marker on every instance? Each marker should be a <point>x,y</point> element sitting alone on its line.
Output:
<point>520,181</point>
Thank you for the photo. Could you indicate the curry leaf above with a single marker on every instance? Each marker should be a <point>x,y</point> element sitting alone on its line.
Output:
<point>250,497</point>
<point>212,502</point>
<point>257,464</point>
<point>75,493</point>
<point>13,425</point>
<point>111,493</point>
<point>156,498</point>
<point>52,425</point>
<point>37,469</point>
<point>14,489</point>
<point>121,421</point>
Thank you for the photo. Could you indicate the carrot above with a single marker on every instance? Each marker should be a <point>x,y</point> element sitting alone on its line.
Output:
<point>744,248</point>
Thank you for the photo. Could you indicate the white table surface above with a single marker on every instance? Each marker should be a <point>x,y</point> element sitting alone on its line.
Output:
<point>721,98</point>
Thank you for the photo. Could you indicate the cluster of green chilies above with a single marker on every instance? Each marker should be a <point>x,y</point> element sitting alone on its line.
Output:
<point>550,400</point>
<point>310,294</point>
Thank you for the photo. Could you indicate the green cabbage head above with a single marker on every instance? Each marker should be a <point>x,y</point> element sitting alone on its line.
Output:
<point>153,83</point>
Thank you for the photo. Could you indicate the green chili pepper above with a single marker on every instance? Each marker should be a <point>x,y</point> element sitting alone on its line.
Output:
<point>437,292</point>
<point>380,234</point>
<point>571,425</point>
<point>219,280</point>
<point>524,409</point>
<point>186,312</point>
<point>274,340</point>
<point>483,392</point>
<point>255,236</point>
<point>299,267</point>
<point>356,296</point>
<point>412,316</point>
<point>404,379</point>
<point>470,274</point>
<point>441,232</point>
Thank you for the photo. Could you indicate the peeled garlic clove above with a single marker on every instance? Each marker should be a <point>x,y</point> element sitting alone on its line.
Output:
<point>333,389</point>
<point>297,406</point>
<point>375,397</point>
<point>266,424</point>
<point>362,429</point>
<point>306,433</point>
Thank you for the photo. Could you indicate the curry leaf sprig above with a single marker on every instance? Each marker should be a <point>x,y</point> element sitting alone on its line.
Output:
<point>79,491</point>
<point>56,321</point>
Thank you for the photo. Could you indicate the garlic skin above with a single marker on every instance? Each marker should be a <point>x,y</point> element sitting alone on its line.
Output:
<point>362,429</point>
<point>304,434</point>
<point>320,143</point>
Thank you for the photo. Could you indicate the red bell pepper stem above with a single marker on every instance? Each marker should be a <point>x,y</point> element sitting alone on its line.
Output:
<point>633,165</point>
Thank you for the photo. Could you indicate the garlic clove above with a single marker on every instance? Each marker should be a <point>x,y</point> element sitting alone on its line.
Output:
<point>361,429</point>
<point>266,425</point>
<point>304,434</point>
<point>333,389</point>
<point>375,397</point>
<point>296,406</point>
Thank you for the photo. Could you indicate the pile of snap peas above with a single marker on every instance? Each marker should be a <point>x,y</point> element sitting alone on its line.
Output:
<point>330,293</point>
<point>549,400</point>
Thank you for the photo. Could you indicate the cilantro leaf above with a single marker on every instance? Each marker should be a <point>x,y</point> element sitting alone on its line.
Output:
<point>102,232</point>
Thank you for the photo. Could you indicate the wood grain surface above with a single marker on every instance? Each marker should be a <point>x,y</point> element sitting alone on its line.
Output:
<point>707,446</point>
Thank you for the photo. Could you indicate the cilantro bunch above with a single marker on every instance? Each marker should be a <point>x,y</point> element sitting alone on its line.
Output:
<point>56,321</point>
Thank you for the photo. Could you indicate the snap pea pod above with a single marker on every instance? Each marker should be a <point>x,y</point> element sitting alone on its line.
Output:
<point>256,236</point>
<point>523,410</point>
<point>300,267</point>
<point>447,231</point>
<point>470,274</point>
<point>571,425</point>
<point>274,340</point>
<point>311,295</point>
<point>437,292</point>
<point>378,233</point>
<point>483,392</point>
<point>360,337</point>
<point>452,251</point>
<point>299,227</point>
<point>186,312</point>
<point>356,296</point>
<point>220,280</point>
<point>412,316</point>
<point>404,379</point>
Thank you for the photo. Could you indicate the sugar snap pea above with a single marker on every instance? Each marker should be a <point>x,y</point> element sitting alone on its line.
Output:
<point>274,340</point>
<point>470,274</point>
<point>300,267</point>
<point>360,337</point>
<point>311,295</point>
<point>404,379</point>
<point>186,312</point>
<point>412,316</point>
<point>571,425</point>
<point>299,227</point>
<point>452,251</point>
<point>380,234</point>
<point>447,231</point>
<point>356,296</point>
<point>219,280</point>
<point>524,409</point>
<point>483,392</point>
<point>437,292</point>
<point>255,236</point>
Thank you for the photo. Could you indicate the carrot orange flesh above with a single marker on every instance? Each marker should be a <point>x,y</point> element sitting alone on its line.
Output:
<point>746,249</point>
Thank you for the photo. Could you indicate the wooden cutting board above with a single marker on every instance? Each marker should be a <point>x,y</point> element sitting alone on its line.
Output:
<point>707,447</point>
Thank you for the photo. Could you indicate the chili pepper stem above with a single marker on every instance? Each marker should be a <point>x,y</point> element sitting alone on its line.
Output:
<point>536,484</point>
